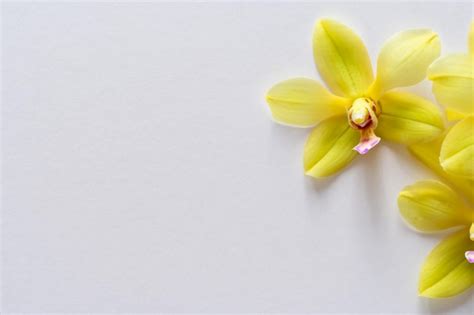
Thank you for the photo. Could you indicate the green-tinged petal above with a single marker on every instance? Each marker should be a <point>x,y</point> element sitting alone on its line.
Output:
<point>471,232</point>
<point>431,206</point>
<point>303,102</point>
<point>329,147</point>
<point>428,154</point>
<point>404,59</point>
<point>453,82</point>
<point>446,272</point>
<point>457,150</point>
<point>407,118</point>
<point>341,58</point>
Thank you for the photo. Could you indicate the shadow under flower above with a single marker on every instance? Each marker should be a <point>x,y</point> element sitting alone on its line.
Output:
<point>447,305</point>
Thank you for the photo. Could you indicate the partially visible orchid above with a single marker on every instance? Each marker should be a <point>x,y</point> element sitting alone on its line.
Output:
<point>428,153</point>
<point>430,206</point>
<point>453,87</point>
<point>361,106</point>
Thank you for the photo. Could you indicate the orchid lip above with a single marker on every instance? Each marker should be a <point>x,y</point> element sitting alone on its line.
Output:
<point>365,145</point>
<point>363,116</point>
<point>470,256</point>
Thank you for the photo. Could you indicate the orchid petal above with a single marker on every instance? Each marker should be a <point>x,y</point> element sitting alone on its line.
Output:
<point>431,206</point>
<point>446,272</point>
<point>341,58</point>
<point>428,153</point>
<point>404,59</point>
<point>453,82</point>
<point>452,114</point>
<point>329,147</point>
<point>407,118</point>
<point>303,102</point>
<point>457,150</point>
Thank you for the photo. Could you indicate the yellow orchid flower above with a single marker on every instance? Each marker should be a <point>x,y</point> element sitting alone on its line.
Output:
<point>428,153</point>
<point>430,206</point>
<point>359,105</point>
<point>453,87</point>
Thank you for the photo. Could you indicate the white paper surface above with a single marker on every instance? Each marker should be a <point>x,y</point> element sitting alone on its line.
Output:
<point>142,171</point>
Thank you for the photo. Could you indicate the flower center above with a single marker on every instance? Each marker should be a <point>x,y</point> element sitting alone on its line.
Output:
<point>363,116</point>
<point>364,111</point>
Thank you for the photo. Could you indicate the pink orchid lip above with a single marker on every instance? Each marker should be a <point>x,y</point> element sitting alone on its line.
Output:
<point>366,145</point>
<point>470,256</point>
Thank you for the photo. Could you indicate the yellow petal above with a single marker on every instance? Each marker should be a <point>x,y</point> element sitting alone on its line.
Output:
<point>446,272</point>
<point>404,59</point>
<point>341,58</point>
<point>454,65</point>
<point>407,118</point>
<point>329,147</point>
<point>457,151</point>
<point>452,114</point>
<point>455,94</point>
<point>303,102</point>
<point>428,154</point>
<point>453,82</point>
<point>431,206</point>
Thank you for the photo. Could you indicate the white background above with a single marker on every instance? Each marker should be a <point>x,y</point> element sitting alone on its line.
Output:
<point>142,171</point>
